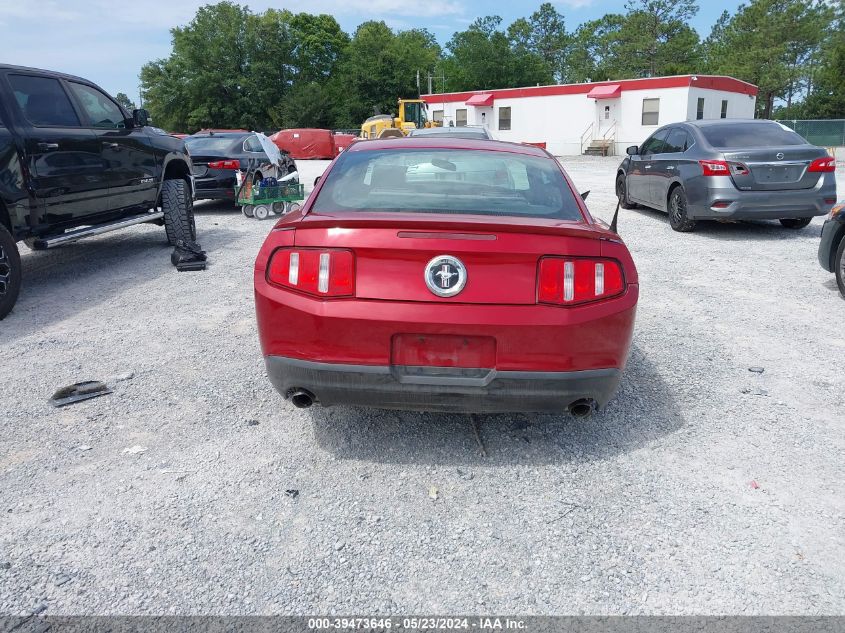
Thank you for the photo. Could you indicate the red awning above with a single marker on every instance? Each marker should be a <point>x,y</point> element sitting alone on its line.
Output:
<point>605,92</point>
<point>480,100</point>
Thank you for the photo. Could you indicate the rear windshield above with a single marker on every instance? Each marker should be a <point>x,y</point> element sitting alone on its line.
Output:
<point>448,181</point>
<point>209,144</point>
<point>748,135</point>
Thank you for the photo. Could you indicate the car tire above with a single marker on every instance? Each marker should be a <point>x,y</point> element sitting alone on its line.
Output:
<point>678,209</point>
<point>178,211</point>
<point>839,267</point>
<point>10,272</point>
<point>795,223</point>
<point>622,192</point>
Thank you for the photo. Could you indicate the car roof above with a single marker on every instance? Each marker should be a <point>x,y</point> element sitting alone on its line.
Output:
<point>717,122</point>
<point>232,135</point>
<point>441,142</point>
<point>46,73</point>
<point>466,129</point>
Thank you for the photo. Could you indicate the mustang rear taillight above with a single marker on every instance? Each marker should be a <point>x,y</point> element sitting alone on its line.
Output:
<point>823,165</point>
<point>325,272</point>
<point>571,281</point>
<point>225,164</point>
<point>714,167</point>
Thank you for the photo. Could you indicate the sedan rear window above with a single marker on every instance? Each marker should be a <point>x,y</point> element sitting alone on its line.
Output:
<point>209,144</point>
<point>748,135</point>
<point>448,181</point>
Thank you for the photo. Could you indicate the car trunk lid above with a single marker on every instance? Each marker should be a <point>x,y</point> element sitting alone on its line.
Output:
<point>392,251</point>
<point>773,169</point>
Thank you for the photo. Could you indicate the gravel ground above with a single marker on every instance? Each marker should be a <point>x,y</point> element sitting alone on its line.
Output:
<point>703,488</point>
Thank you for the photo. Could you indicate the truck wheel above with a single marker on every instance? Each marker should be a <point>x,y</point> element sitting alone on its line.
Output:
<point>178,211</point>
<point>10,272</point>
<point>795,223</point>
<point>839,267</point>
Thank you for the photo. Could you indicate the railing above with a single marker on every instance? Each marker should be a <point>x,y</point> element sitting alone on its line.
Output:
<point>609,137</point>
<point>587,133</point>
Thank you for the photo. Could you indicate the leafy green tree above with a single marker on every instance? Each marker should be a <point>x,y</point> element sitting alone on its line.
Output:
<point>543,34</point>
<point>308,104</point>
<point>770,43</point>
<point>655,38</point>
<point>379,67</point>
<point>123,99</point>
<point>318,46</point>
<point>825,75</point>
<point>483,57</point>
<point>228,68</point>
<point>595,50</point>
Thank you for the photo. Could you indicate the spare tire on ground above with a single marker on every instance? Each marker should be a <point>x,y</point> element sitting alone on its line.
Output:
<point>178,208</point>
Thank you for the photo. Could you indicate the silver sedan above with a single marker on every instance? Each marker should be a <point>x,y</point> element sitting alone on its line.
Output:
<point>728,169</point>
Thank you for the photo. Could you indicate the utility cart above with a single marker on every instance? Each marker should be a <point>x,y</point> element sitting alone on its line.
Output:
<point>259,202</point>
<point>276,196</point>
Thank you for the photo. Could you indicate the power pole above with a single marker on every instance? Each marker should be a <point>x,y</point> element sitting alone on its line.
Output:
<point>429,83</point>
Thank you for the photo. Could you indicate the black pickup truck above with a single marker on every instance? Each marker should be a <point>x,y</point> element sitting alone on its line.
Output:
<point>74,163</point>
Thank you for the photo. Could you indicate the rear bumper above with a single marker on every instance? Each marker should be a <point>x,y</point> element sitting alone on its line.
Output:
<point>764,205</point>
<point>441,388</point>
<point>215,194</point>
<point>216,186</point>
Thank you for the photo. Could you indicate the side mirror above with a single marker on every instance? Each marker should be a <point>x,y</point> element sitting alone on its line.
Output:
<point>140,117</point>
<point>633,150</point>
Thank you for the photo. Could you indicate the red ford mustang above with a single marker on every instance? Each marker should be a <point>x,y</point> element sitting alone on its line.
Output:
<point>447,275</point>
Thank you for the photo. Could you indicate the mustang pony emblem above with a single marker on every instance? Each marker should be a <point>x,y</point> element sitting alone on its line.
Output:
<point>445,275</point>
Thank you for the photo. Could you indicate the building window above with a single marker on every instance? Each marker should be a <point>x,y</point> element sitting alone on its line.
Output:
<point>606,113</point>
<point>651,111</point>
<point>724,109</point>
<point>504,118</point>
<point>437,116</point>
<point>461,117</point>
<point>699,110</point>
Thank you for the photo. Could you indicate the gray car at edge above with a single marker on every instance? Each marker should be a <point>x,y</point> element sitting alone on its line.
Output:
<point>728,169</point>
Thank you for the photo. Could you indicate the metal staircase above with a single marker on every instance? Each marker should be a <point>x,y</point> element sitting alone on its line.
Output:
<point>598,146</point>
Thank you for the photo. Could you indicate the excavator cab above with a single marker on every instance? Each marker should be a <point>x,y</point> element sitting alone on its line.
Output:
<point>413,112</point>
<point>412,116</point>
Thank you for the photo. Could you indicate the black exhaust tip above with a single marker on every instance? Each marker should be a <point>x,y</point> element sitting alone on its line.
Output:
<point>302,399</point>
<point>582,408</point>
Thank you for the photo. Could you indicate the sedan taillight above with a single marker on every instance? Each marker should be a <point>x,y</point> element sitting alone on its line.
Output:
<point>225,164</point>
<point>823,165</point>
<point>714,167</point>
<point>571,281</point>
<point>326,272</point>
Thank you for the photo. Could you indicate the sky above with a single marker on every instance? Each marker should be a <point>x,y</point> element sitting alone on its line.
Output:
<point>107,42</point>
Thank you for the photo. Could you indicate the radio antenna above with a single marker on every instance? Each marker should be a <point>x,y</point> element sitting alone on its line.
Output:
<point>615,217</point>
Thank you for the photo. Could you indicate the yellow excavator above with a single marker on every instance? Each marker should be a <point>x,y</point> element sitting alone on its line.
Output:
<point>412,116</point>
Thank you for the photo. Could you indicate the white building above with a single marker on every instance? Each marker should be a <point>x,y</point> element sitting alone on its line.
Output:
<point>568,118</point>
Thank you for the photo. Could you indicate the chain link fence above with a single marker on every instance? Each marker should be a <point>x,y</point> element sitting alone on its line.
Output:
<point>822,132</point>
